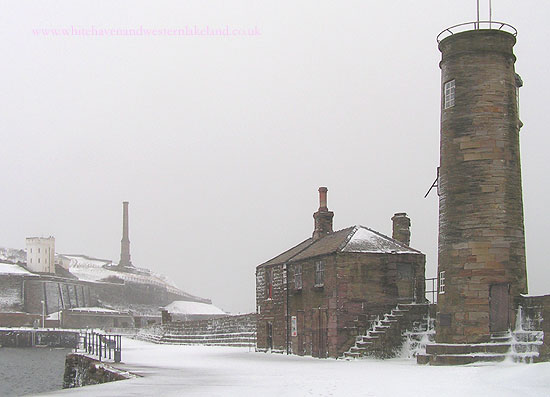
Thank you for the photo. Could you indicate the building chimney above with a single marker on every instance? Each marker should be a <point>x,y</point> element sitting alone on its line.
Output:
<point>401,228</point>
<point>323,217</point>
<point>125,242</point>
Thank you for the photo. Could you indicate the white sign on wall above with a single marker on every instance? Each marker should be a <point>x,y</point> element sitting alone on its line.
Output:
<point>293,326</point>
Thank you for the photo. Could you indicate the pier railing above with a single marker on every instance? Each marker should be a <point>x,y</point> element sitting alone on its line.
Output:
<point>101,345</point>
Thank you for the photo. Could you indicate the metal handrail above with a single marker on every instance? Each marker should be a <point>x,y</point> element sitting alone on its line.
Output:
<point>477,25</point>
<point>104,346</point>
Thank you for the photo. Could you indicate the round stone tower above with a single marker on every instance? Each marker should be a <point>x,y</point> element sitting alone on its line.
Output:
<point>481,264</point>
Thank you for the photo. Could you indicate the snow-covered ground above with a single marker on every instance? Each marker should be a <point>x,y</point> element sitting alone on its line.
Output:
<point>170,370</point>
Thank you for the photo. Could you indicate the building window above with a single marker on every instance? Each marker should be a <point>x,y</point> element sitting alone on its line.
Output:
<point>269,282</point>
<point>442,282</point>
<point>449,94</point>
<point>38,260</point>
<point>319,273</point>
<point>298,277</point>
<point>38,250</point>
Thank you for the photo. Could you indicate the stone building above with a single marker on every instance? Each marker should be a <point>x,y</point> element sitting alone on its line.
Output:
<point>41,254</point>
<point>315,298</point>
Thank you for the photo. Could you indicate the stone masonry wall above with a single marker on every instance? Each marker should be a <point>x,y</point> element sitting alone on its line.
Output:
<point>481,235</point>
<point>369,287</point>
<point>238,330</point>
<point>536,311</point>
<point>12,294</point>
<point>271,310</point>
<point>81,370</point>
<point>58,294</point>
<point>42,337</point>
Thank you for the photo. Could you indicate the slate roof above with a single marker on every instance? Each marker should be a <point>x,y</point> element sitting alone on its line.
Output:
<point>352,239</point>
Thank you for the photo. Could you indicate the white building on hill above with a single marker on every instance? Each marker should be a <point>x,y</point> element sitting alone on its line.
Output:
<point>41,254</point>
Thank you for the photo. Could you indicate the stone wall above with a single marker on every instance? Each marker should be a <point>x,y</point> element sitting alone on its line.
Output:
<point>103,320</point>
<point>58,294</point>
<point>481,231</point>
<point>536,314</point>
<point>42,337</point>
<point>19,319</point>
<point>238,330</point>
<point>81,370</point>
<point>12,297</point>
<point>271,310</point>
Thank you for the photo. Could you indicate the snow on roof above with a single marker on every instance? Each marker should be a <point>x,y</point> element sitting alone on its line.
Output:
<point>364,239</point>
<point>7,268</point>
<point>186,307</point>
<point>90,310</point>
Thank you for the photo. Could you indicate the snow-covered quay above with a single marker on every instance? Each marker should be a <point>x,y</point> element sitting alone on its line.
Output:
<point>168,370</point>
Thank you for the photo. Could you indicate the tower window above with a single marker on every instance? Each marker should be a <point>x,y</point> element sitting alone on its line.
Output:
<point>449,94</point>
<point>442,282</point>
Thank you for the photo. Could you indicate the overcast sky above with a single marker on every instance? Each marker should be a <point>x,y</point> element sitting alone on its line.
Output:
<point>220,143</point>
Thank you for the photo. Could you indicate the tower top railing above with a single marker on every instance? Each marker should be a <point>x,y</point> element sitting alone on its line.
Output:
<point>477,25</point>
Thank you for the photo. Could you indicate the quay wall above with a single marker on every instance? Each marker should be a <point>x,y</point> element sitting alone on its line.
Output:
<point>38,337</point>
<point>81,370</point>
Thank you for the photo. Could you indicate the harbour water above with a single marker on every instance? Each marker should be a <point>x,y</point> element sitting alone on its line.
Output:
<point>31,370</point>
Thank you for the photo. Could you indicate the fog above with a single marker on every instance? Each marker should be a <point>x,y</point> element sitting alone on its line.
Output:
<point>219,143</point>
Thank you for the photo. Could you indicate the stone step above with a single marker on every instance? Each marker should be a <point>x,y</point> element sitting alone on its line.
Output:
<point>528,336</point>
<point>458,359</point>
<point>526,347</point>
<point>466,349</point>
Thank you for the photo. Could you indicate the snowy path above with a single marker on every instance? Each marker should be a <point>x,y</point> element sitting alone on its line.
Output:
<point>169,370</point>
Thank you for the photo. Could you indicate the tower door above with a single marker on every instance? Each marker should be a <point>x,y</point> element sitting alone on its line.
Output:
<point>499,307</point>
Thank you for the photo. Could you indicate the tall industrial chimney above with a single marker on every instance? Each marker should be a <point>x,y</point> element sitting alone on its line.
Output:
<point>125,242</point>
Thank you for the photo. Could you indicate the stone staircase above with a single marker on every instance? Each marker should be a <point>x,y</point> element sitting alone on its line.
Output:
<point>238,330</point>
<point>520,345</point>
<point>416,339</point>
<point>385,337</point>
<point>238,339</point>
